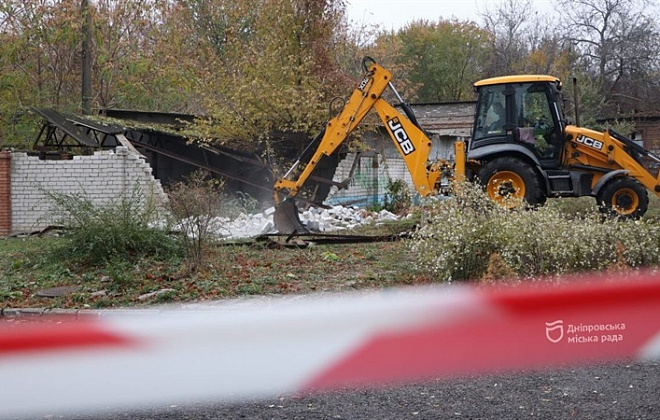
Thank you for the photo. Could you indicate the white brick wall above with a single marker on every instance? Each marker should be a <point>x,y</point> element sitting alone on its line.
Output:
<point>102,178</point>
<point>369,183</point>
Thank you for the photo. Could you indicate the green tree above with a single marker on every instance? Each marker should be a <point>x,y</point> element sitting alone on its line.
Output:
<point>445,58</point>
<point>154,62</point>
<point>256,68</point>
<point>38,55</point>
<point>274,75</point>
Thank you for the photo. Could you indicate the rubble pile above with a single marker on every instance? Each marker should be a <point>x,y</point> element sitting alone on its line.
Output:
<point>336,218</point>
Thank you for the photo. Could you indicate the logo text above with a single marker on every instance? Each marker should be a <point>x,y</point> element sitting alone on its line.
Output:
<point>363,84</point>
<point>401,136</point>
<point>587,141</point>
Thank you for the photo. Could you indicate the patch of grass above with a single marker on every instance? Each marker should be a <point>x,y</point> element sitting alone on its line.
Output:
<point>229,271</point>
<point>165,297</point>
<point>653,213</point>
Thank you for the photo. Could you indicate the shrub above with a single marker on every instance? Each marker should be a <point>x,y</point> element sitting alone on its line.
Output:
<point>398,198</point>
<point>98,234</point>
<point>459,237</point>
<point>195,205</point>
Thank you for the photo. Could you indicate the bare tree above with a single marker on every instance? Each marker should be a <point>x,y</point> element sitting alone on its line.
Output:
<point>507,25</point>
<point>617,41</point>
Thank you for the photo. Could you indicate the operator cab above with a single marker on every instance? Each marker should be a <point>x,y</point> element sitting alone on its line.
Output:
<point>523,111</point>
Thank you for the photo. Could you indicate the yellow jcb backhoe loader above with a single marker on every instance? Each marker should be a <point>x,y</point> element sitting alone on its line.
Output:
<point>522,148</point>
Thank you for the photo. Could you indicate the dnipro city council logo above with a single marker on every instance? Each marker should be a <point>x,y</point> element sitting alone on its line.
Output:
<point>554,331</point>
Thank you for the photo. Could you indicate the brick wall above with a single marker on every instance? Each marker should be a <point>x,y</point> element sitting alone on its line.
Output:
<point>650,135</point>
<point>375,169</point>
<point>5,193</point>
<point>369,183</point>
<point>102,178</point>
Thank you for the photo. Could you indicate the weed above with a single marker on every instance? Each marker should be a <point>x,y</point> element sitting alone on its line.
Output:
<point>250,288</point>
<point>95,234</point>
<point>241,204</point>
<point>329,256</point>
<point>104,302</point>
<point>120,272</point>
<point>6,295</point>
<point>166,296</point>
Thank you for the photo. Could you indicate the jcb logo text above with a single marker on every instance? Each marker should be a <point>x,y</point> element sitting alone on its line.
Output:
<point>363,83</point>
<point>598,145</point>
<point>401,136</point>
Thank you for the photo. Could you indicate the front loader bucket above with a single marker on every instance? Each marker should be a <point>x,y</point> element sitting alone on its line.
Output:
<point>287,219</point>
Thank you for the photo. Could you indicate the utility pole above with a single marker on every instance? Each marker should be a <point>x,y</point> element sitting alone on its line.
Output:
<point>86,59</point>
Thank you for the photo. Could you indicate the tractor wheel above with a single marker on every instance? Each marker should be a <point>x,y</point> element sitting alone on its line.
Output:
<point>508,181</point>
<point>624,197</point>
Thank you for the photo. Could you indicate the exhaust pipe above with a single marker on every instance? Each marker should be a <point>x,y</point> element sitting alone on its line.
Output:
<point>575,101</point>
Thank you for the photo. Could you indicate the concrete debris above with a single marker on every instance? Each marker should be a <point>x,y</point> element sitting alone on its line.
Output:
<point>157,293</point>
<point>54,292</point>
<point>337,218</point>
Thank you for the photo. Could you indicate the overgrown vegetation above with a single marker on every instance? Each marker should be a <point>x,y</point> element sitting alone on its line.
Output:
<point>115,258</point>
<point>469,237</point>
<point>134,227</point>
<point>398,198</point>
<point>229,271</point>
<point>195,205</point>
<point>121,230</point>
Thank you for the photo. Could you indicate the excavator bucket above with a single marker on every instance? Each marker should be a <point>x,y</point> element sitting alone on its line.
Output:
<point>287,219</point>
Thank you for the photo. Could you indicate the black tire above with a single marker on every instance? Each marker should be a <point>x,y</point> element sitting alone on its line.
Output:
<point>505,178</point>
<point>624,197</point>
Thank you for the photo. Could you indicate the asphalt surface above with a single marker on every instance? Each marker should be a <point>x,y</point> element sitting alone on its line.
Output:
<point>623,391</point>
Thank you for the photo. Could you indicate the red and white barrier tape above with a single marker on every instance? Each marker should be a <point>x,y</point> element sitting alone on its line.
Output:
<point>315,343</point>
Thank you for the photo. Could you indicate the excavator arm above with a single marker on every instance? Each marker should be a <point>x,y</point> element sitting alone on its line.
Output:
<point>411,141</point>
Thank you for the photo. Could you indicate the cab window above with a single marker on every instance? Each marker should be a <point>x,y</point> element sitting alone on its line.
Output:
<point>535,126</point>
<point>491,113</point>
